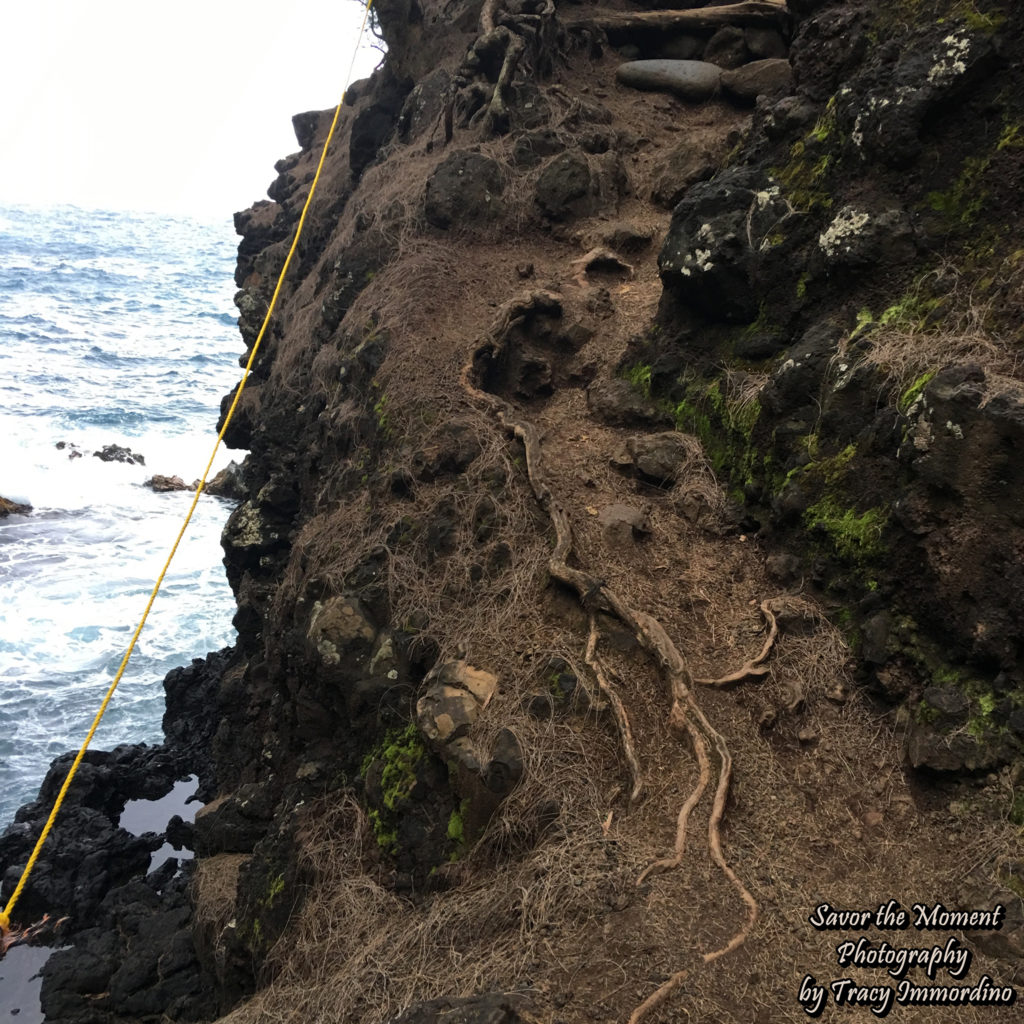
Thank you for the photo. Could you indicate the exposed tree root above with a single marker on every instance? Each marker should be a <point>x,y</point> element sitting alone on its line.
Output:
<point>507,41</point>
<point>618,710</point>
<point>755,12</point>
<point>685,715</point>
<point>756,666</point>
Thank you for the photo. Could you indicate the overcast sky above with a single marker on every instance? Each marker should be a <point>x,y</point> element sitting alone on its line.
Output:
<point>180,107</point>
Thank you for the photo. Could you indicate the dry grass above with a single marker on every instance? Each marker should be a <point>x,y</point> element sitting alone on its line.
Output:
<point>970,323</point>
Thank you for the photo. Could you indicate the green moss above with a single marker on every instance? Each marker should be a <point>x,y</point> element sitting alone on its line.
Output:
<point>802,178</point>
<point>274,890</point>
<point>380,412</point>
<point>913,393</point>
<point>1017,817</point>
<point>400,753</point>
<point>961,203</point>
<point>401,756</point>
<point>640,377</point>
<point>986,23</point>
<point>1012,136</point>
<point>856,537</point>
<point>801,285</point>
<point>385,834</point>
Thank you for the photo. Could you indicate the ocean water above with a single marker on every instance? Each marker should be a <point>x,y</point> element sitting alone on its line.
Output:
<point>114,329</point>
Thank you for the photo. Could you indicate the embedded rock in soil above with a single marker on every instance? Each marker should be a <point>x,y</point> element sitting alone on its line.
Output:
<point>532,148</point>
<point>623,524</point>
<point>676,172</point>
<point>339,629</point>
<point>958,751</point>
<point>661,457</point>
<point>989,886</point>
<point>694,80</point>
<point>619,404</point>
<point>464,190</point>
<point>493,1008</point>
<point>565,188</point>
<point>760,78</point>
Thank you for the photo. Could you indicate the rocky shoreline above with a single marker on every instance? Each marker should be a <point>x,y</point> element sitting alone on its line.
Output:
<point>123,933</point>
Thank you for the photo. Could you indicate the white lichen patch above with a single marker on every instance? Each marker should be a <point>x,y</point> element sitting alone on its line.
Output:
<point>955,429</point>
<point>836,238</point>
<point>952,61</point>
<point>766,196</point>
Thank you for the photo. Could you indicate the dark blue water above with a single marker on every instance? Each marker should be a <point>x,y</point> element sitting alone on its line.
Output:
<point>114,329</point>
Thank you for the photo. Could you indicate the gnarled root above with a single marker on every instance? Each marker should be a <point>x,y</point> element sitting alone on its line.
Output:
<point>685,715</point>
<point>755,666</point>
<point>618,711</point>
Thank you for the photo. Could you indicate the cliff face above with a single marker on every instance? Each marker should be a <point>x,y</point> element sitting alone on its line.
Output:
<point>630,556</point>
<point>575,390</point>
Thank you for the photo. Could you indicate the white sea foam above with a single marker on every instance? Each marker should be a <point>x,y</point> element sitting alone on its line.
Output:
<point>113,330</point>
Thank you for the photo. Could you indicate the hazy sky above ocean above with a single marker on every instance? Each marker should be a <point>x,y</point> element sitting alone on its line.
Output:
<point>179,108</point>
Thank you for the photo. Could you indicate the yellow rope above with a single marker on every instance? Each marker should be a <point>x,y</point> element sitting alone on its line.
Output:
<point>5,915</point>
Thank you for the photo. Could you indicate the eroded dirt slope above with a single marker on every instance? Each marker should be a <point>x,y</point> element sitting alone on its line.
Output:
<point>476,361</point>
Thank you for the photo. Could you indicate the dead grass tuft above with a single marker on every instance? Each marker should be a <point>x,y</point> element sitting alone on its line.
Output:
<point>948,320</point>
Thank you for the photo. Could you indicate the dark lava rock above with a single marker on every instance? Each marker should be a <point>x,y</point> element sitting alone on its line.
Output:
<point>684,165</point>
<point>661,457</point>
<point>492,1008</point>
<point>423,105</point>
<point>688,79</point>
<point>875,638</point>
<point>957,751</point>
<point>115,453</point>
<point>858,238</point>
<point>886,105</point>
<point>565,187</point>
<point>681,47</point>
<point>452,452</point>
<point>374,124</point>
<point>713,253</point>
<point>619,404</point>
<point>305,126</point>
<point>228,483</point>
<point>465,189</point>
<point>234,823</point>
<point>727,47</point>
<point>13,508</point>
<point>532,148</point>
<point>946,707</point>
<point>773,77</point>
<point>162,484</point>
<point>764,43</point>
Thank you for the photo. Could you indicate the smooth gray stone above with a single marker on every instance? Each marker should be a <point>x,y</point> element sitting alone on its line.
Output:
<point>688,79</point>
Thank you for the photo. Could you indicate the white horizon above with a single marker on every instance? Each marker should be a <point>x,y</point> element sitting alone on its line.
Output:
<point>124,106</point>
